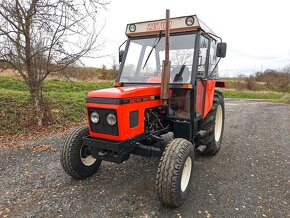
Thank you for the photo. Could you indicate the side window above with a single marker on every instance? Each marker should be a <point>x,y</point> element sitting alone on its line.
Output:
<point>131,60</point>
<point>212,60</point>
<point>181,56</point>
<point>202,57</point>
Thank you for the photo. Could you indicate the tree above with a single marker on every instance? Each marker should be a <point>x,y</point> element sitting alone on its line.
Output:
<point>38,37</point>
<point>115,65</point>
<point>285,85</point>
<point>182,57</point>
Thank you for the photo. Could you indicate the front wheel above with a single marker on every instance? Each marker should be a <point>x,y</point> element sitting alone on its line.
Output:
<point>76,159</point>
<point>175,172</point>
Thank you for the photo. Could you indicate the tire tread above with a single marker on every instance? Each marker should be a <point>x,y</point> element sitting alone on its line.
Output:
<point>68,152</point>
<point>168,170</point>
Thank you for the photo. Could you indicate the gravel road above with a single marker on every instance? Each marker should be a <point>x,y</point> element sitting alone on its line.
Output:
<point>249,177</point>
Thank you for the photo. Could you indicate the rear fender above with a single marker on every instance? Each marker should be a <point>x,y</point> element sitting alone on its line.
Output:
<point>209,93</point>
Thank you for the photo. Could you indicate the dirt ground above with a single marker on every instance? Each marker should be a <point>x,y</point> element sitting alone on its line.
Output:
<point>249,177</point>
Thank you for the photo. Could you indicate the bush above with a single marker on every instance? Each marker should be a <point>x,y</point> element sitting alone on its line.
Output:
<point>251,83</point>
<point>270,80</point>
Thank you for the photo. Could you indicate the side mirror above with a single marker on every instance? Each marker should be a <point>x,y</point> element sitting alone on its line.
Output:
<point>221,50</point>
<point>121,53</point>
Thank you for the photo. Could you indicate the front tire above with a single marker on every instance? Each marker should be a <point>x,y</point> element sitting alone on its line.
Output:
<point>213,125</point>
<point>76,159</point>
<point>174,174</point>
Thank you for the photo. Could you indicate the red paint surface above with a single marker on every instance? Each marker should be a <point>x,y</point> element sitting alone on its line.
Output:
<point>154,79</point>
<point>209,94</point>
<point>123,111</point>
<point>125,92</point>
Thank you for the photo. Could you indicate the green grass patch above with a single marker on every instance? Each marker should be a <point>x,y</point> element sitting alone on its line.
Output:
<point>17,84</point>
<point>12,83</point>
<point>231,93</point>
<point>65,103</point>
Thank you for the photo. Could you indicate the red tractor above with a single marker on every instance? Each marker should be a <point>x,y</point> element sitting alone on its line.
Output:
<point>151,98</point>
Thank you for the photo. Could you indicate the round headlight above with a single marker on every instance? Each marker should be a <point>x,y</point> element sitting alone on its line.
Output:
<point>132,28</point>
<point>111,119</point>
<point>189,21</point>
<point>95,118</point>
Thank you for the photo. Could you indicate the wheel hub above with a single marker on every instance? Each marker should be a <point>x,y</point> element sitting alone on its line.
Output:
<point>186,172</point>
<point>218,123</point>
<point>86,157</point>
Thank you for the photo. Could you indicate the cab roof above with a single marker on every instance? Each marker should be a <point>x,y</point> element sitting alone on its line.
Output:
<point>177,24</point>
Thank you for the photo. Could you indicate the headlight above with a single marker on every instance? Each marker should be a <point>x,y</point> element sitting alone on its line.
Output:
<point>95,118</point>
<point>111,119</point>
<point>189,21</point>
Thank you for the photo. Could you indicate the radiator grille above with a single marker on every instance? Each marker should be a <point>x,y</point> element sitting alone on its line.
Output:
<point>102,126</point>
<point>133,119</point>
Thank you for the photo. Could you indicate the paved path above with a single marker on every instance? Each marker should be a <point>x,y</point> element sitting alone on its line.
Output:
<point>249,177</point>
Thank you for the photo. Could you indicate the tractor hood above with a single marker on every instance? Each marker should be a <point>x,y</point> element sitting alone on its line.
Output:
<point>126,92</point>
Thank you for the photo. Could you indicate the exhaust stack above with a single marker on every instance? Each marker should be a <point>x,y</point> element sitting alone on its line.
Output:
<point>166,64</point>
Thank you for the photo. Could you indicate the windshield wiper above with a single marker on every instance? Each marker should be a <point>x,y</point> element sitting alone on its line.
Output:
<point>157,40</point>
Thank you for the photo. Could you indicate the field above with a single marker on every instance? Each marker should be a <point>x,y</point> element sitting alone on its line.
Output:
<point>266,95</point>
<point>66,102</point>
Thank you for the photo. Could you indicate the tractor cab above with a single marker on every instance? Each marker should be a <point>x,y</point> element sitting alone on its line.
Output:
<point>194,52</point>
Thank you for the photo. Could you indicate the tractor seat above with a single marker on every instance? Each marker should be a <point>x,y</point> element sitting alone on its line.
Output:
<point>183,75</point>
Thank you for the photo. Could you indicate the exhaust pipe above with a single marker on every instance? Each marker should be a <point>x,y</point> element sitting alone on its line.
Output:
<point>166,65</point>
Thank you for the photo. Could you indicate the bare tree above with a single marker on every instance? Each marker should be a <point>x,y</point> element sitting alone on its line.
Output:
<point>38,37</point>
<point>115,65</point>
<point>286,69</point>
<point>182,57</point>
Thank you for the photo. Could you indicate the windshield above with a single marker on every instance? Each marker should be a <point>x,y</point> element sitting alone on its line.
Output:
<point>143,62</point>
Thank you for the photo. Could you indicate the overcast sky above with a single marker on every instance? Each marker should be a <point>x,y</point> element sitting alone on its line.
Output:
<point>257,32</point>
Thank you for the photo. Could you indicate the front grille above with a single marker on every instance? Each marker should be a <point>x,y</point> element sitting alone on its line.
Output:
<point>133,119</point>
<point>102,126</point>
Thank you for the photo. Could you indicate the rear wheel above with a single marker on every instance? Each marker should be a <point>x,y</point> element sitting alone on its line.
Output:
<point>175,172</point>
<point>213,125</point>
<point>76,159</point>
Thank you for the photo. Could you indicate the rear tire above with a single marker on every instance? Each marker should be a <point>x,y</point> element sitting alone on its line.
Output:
<point>213,124</point>
<point>76,159</point>
<point>174,174</point>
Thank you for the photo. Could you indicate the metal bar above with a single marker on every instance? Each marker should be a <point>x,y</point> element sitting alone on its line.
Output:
<point>166,64</point>
<point>167,35</point>
<point>146,151</point>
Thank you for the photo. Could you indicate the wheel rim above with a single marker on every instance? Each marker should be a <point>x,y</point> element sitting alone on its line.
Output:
<point>218,123</point>
<point>86,158</point>
<point>186,172</point>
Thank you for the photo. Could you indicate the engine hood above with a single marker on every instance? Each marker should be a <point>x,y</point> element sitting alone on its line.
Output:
<point>125,92</point>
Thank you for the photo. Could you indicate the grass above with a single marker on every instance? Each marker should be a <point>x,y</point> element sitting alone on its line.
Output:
<point>66,102</point>
<point>269,96</point>
<point>16,84</point>
<point>231,93</point>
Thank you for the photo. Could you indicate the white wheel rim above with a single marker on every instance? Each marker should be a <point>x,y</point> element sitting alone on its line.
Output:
<point>89,160</point>
<point>186,172</point>
<point>218,123</point>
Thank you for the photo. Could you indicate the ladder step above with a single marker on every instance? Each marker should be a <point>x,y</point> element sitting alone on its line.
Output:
<point>201,133</point>
<point>201,148</point>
